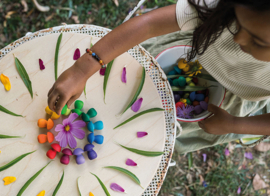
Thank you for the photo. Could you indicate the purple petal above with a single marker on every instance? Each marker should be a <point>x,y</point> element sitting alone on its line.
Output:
<point>141,134</point>
<point>102,71</point>
<point>124,75</point>
<point>239,190</point>
<point>72,117</point>
<point>59,128</point>
<point>248,155</point>
<point>227,152</point>
<point>78,133</point>
<point>204,157</point>
<point>62,138</point>
<point>71,140</point>
<point>137,105</point>
<point>130,162</point>
<point>77,54</point>
<point>116,187</point>
<point>78,124</point>
<point>41,65</point>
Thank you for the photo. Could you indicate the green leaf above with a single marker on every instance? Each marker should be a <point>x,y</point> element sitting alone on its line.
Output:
<point>24,76</point>
<point>2,109</point>
<point>138,115</point>
<point>78,186</point>
<point>56,56</point>
<point>128,173</point>
<point>190,160</point>
<point>31,180</point>
<point>13,162</point>
<point>191,88</point>
<point>8,136</point>
<point>84,90</point>
<point>102,185</point>
<point>137,92</point>
<point>203,76</point>
<point>58,185</point>
<point>106,77</point>
<point>144,153</point>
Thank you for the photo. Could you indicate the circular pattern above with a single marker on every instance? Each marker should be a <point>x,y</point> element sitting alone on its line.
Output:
<point>169,114</point>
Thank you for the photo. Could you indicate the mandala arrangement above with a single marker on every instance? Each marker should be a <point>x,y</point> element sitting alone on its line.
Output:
<point>69,130</point>
<point>64,141</point>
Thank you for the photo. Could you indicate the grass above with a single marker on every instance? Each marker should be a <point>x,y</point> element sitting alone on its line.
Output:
<point>223,175</point>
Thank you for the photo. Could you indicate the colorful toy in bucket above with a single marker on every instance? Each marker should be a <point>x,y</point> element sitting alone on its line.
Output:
<point>168,60</point>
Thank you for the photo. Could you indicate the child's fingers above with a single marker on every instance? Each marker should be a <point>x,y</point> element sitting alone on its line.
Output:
<point>50,91</point>
<point>72,99</point>
<point>61,103</point>
<point>52,100</point>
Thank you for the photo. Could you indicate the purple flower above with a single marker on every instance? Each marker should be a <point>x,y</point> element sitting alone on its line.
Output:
<point>239,190</point>
<point>226,152</point>
<point>248,155</point>
<point>185,112</point>
<point>69,130</point>
<point>204,157</point>
<point>204,184</point>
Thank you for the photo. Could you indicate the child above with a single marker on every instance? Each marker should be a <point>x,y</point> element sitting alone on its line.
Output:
<point>232,41</point>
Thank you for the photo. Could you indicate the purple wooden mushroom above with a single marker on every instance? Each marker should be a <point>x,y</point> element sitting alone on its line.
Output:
<point>90,152</point>
<point>65,158</point>
<point>79,157</point>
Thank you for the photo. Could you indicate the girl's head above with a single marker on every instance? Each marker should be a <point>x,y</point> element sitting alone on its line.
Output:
<point>252,18</point>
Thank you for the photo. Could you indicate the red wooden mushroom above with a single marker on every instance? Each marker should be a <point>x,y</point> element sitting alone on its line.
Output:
<point>52,152</point>
<point>65,158</point>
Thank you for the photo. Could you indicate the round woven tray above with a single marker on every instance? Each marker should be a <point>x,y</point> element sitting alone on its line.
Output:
<point>154,71</point>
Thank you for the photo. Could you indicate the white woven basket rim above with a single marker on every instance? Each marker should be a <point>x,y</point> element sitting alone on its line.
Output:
<point>156,74</point>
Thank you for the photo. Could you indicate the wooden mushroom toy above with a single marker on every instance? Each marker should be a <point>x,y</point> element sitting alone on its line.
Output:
<point>52,152</point>
<point>65,158</point>
<point>90,152</point>
<point>79,157</point>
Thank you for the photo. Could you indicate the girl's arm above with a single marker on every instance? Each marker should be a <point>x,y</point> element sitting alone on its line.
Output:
<point>70,83</point>
<point>222,123</point>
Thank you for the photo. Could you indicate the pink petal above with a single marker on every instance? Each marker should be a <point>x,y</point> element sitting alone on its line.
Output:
<point>102,71</point>
<point>124,75</point>
<point>78,133</point>
<point>78,124</point>
<point>204,157</point>
<point>77,54</point>
<point>130,162</point>
<point>227,152</point>
<point>239,190</point>
<point>116,187</point>
<point>41,65</point>
<point>72,117</point>
<point>59,128</point>
<point>141,134</point>
<point>71,140</point>
<point>62,138</point>
<point>248,155</point>
<point>137,105</point>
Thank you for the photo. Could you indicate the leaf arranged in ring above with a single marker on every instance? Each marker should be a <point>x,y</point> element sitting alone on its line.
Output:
<point>8,136</point>
<point>144,153</point>
<point>31,180</point>
<point>135,97</point>
<point>106,77</point>
<point>139,114</point>
<point>191,88</point>
<point>13,162</point>
<point>58,185</point>
<point>78,186</point>
<point>102,185</point>
<point>203,76</point>
<point>56,56</point>
<point>125,171</point>
<point>2,109</point>
<point>24,76</point>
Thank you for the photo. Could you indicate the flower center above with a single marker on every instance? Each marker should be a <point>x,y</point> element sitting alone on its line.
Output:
<point>67,128</point>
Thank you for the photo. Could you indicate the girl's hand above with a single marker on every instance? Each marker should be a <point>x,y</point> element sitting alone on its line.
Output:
<point>220,123</point>
<point>70,84</point>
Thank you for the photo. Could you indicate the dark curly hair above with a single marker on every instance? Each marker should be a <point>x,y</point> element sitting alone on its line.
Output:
<point>215,20</point>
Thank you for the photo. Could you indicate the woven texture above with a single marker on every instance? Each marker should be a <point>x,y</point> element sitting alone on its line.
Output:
<point>154,71</point>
